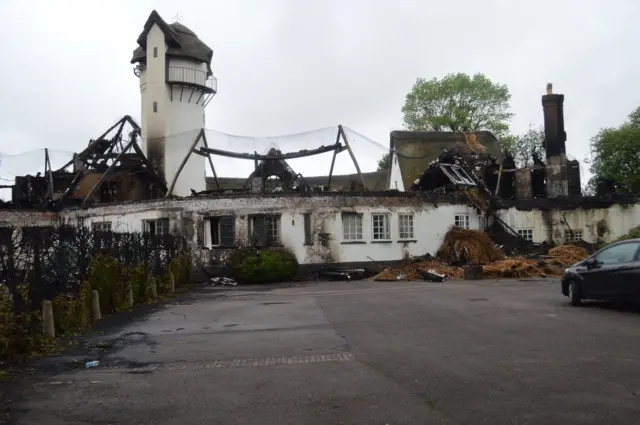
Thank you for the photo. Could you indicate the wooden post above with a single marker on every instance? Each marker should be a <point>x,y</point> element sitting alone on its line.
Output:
<point>48,326</point>
<point>154,289</point>
<point>172,282</point>
<point>96,314</point>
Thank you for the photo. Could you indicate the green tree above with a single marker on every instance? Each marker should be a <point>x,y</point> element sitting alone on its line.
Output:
<point>615,154</point>
<point>384,162</point>
<point>458,102</point>
<point>528,145</point>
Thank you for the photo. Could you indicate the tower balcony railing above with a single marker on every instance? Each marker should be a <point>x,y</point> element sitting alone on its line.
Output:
<point>192,78</point>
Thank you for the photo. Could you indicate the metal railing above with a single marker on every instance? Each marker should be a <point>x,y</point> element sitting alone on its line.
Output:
<point>192,77</point>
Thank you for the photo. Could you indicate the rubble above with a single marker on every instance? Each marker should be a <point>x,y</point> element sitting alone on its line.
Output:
<point>516,267</point>
<point>465,246</point>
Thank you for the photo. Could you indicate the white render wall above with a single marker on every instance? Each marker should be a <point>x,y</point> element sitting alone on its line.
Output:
<point>619,220</point>
<point>178,117</point>
<point>430,222</point>
<point>395,176</point>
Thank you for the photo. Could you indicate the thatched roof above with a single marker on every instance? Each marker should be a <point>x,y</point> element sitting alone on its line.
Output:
<point>416,149</point>
<point>182,42</point>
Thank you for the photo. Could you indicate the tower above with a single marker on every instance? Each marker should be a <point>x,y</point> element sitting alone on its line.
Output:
<point>176,83</point>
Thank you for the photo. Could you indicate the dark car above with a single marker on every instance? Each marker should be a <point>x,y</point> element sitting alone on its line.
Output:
<point>611,274</point>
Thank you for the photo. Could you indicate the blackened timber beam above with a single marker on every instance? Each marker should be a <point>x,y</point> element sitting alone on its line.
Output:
<point>333,160</point>
<point>106,173</point>
<point>184,162</point>
<point>353,157</point>
<point>48,172</point>
<point>291,155</point>
<point>213,169</point>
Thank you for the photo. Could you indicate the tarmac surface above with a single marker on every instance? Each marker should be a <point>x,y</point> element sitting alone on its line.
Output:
<point>507,352</point>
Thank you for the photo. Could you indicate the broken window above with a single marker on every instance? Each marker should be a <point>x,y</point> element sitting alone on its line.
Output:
<point>352,226</point>
<point>157,227</point>
<point>220,231</point>
<point>273,183</point>
<point>526,234</point>
<point>461,220</point>
<point>405,225</point>
<point>265,230</point>
<point>104,226</point>
<point>573,235</point>
<point>457,175</point>
<point>381,227</point>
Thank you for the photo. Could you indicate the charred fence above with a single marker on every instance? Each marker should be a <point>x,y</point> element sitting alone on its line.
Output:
<point>38,263</point>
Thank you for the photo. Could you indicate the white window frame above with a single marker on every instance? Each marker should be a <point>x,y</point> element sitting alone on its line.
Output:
<point>273,230</point>
<point>573,235</point>
<point>384,228</point>
<point>101,226</point>
<point>165,228</point>
<point>526,233</point>
<point>461,218</point>
<point>352,227</point>
<point>406,229</point>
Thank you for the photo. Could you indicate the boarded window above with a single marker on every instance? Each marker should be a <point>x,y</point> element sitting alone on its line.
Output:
<point>307,230</point>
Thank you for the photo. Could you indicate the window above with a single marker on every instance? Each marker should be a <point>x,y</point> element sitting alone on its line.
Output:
<point>573,235</point>
<point>155,52</point>
<point>457,175</point>
<point>352,227</point>
<point>157,227</point>
<point>405,225</point>
<point>618,254</point>
<point>381,228</point>
<point>265,230</point>
<point>273,183</point>
<point>104,226</point>
<point>155,106</point>
<point>526,234</point>
<point>461,220</point>
<point>308,237</point>
<point>219,231</point>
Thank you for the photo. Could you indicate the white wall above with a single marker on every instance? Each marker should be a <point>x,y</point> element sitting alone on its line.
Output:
<point>395,177</point>
<point>177,119</point>
<point>430,222</point>
<point>619,220</point>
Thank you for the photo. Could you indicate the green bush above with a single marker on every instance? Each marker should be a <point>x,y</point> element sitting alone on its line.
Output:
<point>110,280</point>
<point>633,234</point>
<point>20,334</point>
<point>140,281</point>
<point>72,315</point>
<point>273,265</point>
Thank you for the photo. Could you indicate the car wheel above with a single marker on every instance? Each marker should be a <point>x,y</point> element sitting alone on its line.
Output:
<point>574,293</point>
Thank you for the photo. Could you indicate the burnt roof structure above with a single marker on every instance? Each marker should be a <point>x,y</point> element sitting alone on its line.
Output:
<point>181,41</point>
<point>415,150</point>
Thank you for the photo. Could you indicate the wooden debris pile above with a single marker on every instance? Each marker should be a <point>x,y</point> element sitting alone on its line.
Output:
<point>514,268</point>
<point>567,255</point>
<point>414,271</point>
<point>466,246</point>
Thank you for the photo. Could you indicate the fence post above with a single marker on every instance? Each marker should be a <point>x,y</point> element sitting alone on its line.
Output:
<point>154,288</point>
<point>96,314</point>
<point>130,297</point>
<point>172,282</point>
<point>48,327</point>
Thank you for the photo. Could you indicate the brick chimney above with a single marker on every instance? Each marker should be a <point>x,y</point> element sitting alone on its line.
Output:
<point>554,144</point>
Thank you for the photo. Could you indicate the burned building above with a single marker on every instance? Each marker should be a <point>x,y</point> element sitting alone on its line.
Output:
<point>151,177</point>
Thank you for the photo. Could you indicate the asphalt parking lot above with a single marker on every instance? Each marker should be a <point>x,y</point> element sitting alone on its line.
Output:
<point>487,352</point>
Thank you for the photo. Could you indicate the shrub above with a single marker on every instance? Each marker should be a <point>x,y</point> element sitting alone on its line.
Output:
<point>108,278</point>
<point>247,265</point>
<point>72,315</point>
<point>632,234</point>
<point>20,333</point>
<point>140,281</point>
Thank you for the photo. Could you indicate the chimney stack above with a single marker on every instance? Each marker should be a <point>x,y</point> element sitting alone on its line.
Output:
<point>554,144</point>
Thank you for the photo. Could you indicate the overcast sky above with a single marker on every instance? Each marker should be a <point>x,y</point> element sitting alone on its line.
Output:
<point>287,66</point>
